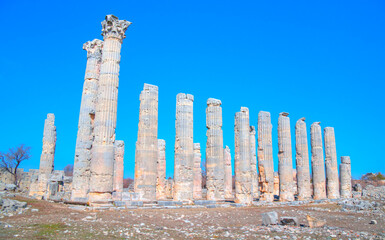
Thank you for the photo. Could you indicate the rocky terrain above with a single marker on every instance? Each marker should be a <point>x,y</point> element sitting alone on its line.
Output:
<point>364,218</point>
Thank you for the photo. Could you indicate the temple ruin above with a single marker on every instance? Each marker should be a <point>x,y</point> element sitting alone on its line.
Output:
<point>99,158</point>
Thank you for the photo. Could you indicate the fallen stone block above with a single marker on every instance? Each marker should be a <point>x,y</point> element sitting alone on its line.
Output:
<point>169,203</point>
<point>269,218</point>
<point>204,202</point>
<point>293,221</point>
<point>314,222</point>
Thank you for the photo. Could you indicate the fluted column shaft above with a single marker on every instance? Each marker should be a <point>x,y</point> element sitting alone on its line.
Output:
<point>161,170</point>
<point>146,154</point>
<point>243,179</point>
<point>285,162</point>
<point>215,168</point>
<point>197,194</point>
<point>47,156</point>
<point>346,177</point>
<point>184,149</point>
<point>265,157</point>
<point>102,163</point>
<point>331,166</point>
<point>228,173</point>
<point>118,166</point>
<point>317,162</point>
<point>302,160</point>
<point>85,136</point>
<point>253,162</point>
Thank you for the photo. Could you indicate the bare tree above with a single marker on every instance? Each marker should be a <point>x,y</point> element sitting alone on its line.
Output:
<point>69,170</point>
<point>11,160</point>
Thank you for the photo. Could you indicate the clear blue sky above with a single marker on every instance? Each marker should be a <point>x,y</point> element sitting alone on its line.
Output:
<point>321,60</point>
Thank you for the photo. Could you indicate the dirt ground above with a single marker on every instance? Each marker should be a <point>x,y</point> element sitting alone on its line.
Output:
<point>59,221</point>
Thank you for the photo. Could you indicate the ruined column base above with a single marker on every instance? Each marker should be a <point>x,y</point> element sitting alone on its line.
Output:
<point>100,199</point>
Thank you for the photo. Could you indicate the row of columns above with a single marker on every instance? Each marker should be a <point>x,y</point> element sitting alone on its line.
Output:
<point>249,184</point>
<point>98,165</point>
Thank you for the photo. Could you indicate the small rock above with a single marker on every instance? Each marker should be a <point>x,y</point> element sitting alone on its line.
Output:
<point>34,210</point>
<point>269,218</point>
<point>289,221</point>
<point>373,222</point>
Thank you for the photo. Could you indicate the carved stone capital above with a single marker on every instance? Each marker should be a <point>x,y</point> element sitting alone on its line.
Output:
<point>93,48</point>
<point>113,27</point>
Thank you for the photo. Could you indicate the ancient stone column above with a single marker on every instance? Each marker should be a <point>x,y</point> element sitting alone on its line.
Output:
<point>215,167</point>
<point>102,163</point>
<point>265,157</point>
<point>47,156</point>
<point>331,166</point>
<point>302,161</point>
<point>161,170</point>
<point>243,179</point>
<point>317,162</point>
<point>346,177</point>
<point>118,166</point>
<point>253,162</point>
<point>285,162</point>
<point>197,192</point>
<point>184,149</point>
<point>146,154</point>
<point>83,154</point>
<point>228,173</point>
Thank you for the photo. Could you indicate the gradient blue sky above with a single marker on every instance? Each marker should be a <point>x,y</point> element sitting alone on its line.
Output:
<point>323,60</point>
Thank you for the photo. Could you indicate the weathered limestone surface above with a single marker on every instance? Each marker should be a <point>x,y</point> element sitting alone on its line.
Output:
<point>197,194</point>
<point>161,170</point>
<point>184,149</point>
<point>302,160</point>
<point>228,173</point>
<point>265,157</point>
<point>119,166</point>
<point>146,155</point>
<point>276,184</point>
<point>47,157</point>
<point>85,137</point>
<point>317,162</point>
<point>243,179</point>
<point>285,162</point>
<point>346,177</point>
<point>102,163</point>
<point>253,162</point>
<point>214,151</point>
<point>332,184</point>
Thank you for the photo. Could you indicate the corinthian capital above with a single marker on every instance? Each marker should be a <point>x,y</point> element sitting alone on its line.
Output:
<point>113,27</point>
<point>93,48</point>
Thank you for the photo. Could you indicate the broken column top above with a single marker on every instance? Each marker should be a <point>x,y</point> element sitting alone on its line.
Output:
<point>244,109</point>
<point>315,123</point>
<point>51,117</point>
<point>301,119</point>
<point>197,146</point>
<point>213,102</point>
<point>285,114</point>
<point>345,159</point>
<point>113,27</point>
<point>93,47</point>
<point>264,113</point>
<point>184,96</point>
<point>329,128</point>
<point>150,87</point>
<point>227,148</point>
